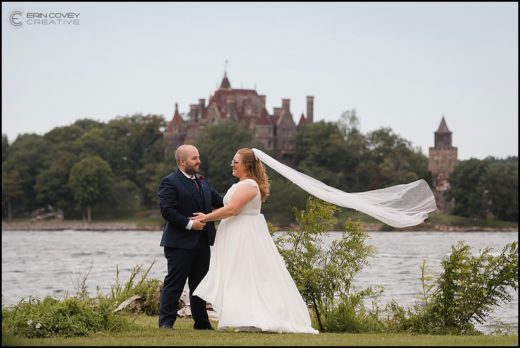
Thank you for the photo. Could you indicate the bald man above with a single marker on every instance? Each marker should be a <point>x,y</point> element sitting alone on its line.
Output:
<point>186,242</point>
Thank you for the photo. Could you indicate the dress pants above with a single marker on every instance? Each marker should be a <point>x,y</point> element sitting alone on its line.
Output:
<point>191,264</point>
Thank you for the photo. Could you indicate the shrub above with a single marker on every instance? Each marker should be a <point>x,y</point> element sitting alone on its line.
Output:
<point>324,276</point>
<point>148,289</point>
<point>466,291</point>
<point>68,318</point>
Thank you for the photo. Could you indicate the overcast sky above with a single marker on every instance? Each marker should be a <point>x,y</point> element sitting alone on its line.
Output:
<point>400,65</point>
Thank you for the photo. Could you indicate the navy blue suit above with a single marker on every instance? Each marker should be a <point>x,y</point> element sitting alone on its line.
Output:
<point>187,251</point>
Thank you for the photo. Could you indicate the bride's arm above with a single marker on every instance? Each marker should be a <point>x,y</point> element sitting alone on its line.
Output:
<point>242,195</point>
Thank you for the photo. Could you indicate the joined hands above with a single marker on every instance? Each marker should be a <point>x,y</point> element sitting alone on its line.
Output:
<point>199,221</point>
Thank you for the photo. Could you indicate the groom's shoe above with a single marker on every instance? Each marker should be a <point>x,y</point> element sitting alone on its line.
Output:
<point>202,326</point>
<point>166,327</point>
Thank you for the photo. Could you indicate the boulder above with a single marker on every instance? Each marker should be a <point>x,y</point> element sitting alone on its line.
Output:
<point>185,309</point>
<point>132,302</point>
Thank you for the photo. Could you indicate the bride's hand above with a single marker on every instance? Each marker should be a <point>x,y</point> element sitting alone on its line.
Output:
<point>199,217</point>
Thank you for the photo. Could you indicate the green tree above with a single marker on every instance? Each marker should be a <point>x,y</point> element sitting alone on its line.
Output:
<point>283,194</point>
<point>501,182</point>
<point>27,156</point>
<point>92,143</point>
<point>468,190</point>
<point>5,147</point>
<point>356,151</point>
<point>91,181</point>
<point>395,159</point>
<point>348,123</point>
<point>11,190</point>
<point>321,152</point>
<point>135,147</point>
<point>341,156</point>
<point>151,175</point>
<point>217,145</point>
<point>51,183</point>
<point>66,138</point>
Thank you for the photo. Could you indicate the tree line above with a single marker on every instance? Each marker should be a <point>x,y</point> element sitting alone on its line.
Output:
<point>112,169</point>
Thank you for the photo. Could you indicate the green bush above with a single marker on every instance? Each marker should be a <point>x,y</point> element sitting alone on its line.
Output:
<point>324,276</point>
<point>468,288</point>
<point>466,291</point>
<point>68,318</point>
<point>351,315</point>
<point>81,315</point>
<point>148,289</point>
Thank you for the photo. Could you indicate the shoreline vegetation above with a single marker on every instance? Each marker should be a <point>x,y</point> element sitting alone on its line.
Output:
<point>443,317</point>
<point>156,225</point>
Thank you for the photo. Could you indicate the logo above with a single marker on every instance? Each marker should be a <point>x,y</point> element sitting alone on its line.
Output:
<point>15,18</point>
<point>18,18</point>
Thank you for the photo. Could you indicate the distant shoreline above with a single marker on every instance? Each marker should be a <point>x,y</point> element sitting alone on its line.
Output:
<point>126,226</point>
<point>75,226</point>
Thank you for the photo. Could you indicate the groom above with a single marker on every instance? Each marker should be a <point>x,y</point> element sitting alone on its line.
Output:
<point>186,242</point>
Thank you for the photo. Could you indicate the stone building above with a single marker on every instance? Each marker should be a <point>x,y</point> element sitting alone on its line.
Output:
<point>247,108</point>
<point>442,159</point>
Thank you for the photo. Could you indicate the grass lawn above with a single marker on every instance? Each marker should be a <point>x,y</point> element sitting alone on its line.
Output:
<point>148,334</point>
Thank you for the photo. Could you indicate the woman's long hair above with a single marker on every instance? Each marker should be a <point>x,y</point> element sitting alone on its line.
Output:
<point>256,171</point>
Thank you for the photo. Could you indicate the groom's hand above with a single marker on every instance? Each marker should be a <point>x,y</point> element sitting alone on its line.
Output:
<point>198,225</point>
<point>198,220</point>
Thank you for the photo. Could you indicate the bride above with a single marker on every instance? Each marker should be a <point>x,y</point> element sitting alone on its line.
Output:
<point>247,282</point>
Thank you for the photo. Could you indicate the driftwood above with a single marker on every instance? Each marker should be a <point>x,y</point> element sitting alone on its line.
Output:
<point>48,213</point>
<point>131,303</point>
<point>184,309</point>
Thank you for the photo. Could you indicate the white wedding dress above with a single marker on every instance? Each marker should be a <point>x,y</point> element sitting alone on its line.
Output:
<point>247,282</point>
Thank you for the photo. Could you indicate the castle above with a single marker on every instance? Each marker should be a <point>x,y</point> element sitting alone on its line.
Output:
<point>245,107</point>
<point>442,159</point>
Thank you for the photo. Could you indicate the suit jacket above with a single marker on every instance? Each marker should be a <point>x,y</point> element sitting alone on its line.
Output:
<point>178,200</point>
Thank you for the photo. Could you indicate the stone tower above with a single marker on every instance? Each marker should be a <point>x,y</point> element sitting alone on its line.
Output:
<point>442,160</point>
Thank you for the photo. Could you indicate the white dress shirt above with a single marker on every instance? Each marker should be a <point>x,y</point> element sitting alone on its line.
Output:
<point>191,177</point>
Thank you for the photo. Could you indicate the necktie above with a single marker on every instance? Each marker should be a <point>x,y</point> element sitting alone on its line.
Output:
<point>195,183</point>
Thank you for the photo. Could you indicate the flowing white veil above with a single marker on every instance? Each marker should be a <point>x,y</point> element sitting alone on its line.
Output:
<point>398,206</point>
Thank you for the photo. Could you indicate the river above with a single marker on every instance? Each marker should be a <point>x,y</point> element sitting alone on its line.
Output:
<point>42,263</point>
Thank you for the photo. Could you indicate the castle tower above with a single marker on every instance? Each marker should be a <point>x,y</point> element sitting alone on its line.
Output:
<point>174,135</point>
<point>442,159</point>
<point>310,109</point>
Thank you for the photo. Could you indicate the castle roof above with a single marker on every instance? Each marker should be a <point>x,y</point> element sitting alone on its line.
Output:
<point>176,120</point>
<point>302,121</point>
<point>443,127</point>
<point>245,106</point>
<point>264,119</point>
<point>221,97</point>
<point>225,82</point>
<point>285,117</point>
